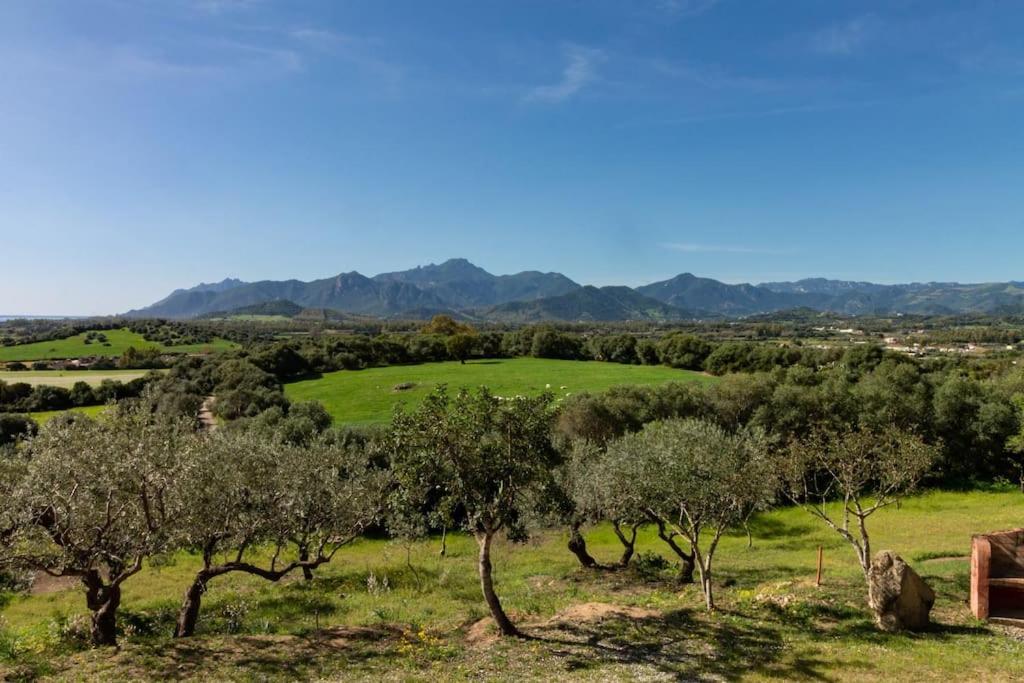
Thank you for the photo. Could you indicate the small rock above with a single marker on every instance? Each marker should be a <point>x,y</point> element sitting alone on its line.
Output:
<point>900,598</point>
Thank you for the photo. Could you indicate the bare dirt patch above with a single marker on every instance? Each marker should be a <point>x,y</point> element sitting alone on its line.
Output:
<point>593,612</point>
<point>482,633</point>
<point>43,583</point>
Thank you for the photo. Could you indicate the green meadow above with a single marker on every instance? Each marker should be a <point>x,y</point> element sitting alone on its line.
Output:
<point>68,378</point>
<point>387,610</point>
<point>44,416</point>
<point>368,396</point>
<point>118,341</point>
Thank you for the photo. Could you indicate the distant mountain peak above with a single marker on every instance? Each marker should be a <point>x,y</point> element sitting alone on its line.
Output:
<point>452,270</point>
<point>222,286</point>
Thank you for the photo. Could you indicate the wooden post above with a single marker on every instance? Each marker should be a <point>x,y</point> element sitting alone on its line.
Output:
<point>981,567</point>
<point>817,579</point>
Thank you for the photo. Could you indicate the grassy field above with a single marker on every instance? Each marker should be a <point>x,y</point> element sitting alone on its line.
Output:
<point>45,416</point>
<point>389,611</point>
<point>365,396</point>
<point>67,378</point>
<point>119,341</point>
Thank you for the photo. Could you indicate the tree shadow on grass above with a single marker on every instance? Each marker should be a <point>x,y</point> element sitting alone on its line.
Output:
<point>762,526</point>
<point>956,588</point>
<point>288,609</point>
<point>275,657</point>
<point>864,630</point>
<point>842,620</point>
<point>754,576</point>
<point>675,643</point>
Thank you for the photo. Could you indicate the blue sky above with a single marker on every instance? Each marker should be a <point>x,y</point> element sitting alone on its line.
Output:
<point>147,145</point>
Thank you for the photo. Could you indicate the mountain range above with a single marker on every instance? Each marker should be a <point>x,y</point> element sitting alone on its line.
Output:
<point>463,289</point>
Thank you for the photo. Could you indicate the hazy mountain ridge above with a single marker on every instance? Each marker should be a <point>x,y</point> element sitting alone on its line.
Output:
<point>456,284</point>
<point>460,284</point>
<point>460,288</point>
<point>600,304</point>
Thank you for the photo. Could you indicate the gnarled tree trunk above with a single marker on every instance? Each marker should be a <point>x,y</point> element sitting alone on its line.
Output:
<point>307,572</point>
<point>505,625</point>
<point>188,615</point>
<point>578,546</point>
<point>103,601</point>
<point>628,543</point>
<point>686,565</point>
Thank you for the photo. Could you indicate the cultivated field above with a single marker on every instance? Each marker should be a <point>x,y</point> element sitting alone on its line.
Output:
<point>42,417</point>
<point>366,396</point>
<point>118,342</point>
<point>68,378</point>
<point>388,611</point>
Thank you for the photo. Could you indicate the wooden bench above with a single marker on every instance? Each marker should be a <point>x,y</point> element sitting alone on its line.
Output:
<point>997,575</point>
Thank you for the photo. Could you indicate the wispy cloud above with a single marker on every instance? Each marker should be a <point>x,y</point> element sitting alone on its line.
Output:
<point>685,8</point>
<point>319,37</point>
<point>235,54</point>
<point>223,6</point>
<point>993,59</point>
<point>579,71</point>
<point>691,248</point>
<point>755,113</point>
<point>218,59</point>
<point>358,51</point>
<point>205,60</point>
<point>846,38</point>
<point>714,77</point>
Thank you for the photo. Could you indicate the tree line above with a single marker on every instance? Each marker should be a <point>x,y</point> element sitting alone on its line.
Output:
<point>22,397</point>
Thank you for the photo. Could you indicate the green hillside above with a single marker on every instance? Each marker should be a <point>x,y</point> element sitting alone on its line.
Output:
<point>118,341</point>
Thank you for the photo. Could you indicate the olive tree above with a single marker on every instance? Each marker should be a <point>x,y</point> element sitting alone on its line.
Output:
<point>246,493</point>
<point>694,480</point>
<point>591,500</point>
<point>844,476</point>
<point>481,455</point>
<point>460,346</point>
<point>92,500</point>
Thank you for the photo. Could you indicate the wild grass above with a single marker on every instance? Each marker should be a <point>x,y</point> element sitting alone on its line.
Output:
<point>68,378</point>
<point>118,341</point>
<point>386,610</point>
<point>367,396</point>
<point>44,416</point>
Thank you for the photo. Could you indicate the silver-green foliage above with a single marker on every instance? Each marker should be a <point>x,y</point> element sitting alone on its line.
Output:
<point>93,499</point>
<point>691,477</point>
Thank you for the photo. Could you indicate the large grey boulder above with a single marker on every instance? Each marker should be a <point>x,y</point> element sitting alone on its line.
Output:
<point>900,598</point>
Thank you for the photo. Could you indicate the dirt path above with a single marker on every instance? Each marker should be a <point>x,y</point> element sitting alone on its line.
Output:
<point>206,418</point>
